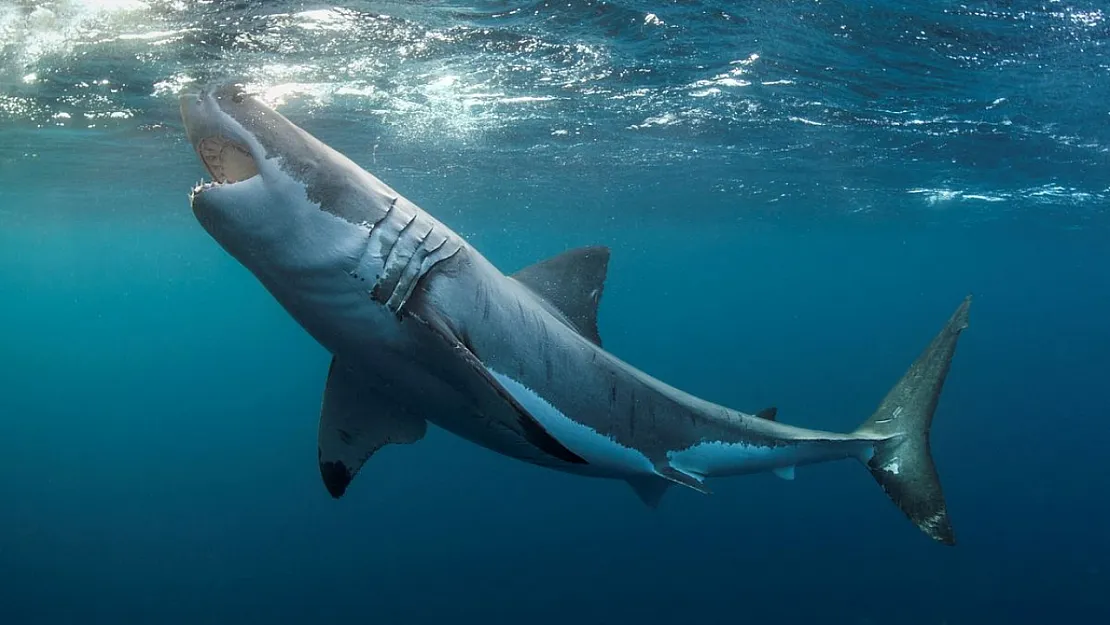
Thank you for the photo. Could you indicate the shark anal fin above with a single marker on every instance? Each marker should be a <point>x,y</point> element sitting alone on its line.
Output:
<point>681,477</point>
<point>769,413</point>
<point>572,283</point>
<point>356,420</point>
<point>786,473</point>
<point>649,488</point>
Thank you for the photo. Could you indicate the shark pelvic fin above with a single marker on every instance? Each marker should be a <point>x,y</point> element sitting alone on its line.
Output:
<point>901,462</point>
<point>572,283</point>
<point>649,488</point>
<point>355,422</point>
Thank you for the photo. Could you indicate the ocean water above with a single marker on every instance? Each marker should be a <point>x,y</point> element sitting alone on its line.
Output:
<point>796,193</point>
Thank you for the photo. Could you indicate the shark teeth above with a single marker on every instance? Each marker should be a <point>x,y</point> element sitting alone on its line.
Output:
<point>203,186</point>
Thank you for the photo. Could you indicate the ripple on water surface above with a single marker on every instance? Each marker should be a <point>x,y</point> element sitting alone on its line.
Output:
<point>969,105</point>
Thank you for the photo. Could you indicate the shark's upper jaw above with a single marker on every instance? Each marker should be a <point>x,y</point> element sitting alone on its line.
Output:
<point>211,131</point>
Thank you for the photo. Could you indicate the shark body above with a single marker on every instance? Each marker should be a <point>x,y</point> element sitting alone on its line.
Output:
<point>423,328</point>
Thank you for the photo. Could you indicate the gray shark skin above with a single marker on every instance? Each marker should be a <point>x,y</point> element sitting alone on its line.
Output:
<point>422,328</point>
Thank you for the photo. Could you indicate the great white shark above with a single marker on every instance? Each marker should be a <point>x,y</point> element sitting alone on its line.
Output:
<point>423,328</point>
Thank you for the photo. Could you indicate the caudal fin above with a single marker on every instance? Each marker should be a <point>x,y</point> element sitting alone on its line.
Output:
<point>902,463</point>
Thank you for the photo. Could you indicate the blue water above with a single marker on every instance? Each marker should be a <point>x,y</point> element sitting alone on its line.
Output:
<point>797,194</point>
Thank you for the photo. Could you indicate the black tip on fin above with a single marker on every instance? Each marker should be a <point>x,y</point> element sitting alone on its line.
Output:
<point>768,413</point>
<point>336,477</point>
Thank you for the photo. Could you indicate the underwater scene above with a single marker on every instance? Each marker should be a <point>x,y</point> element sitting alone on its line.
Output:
<point>545,312</point>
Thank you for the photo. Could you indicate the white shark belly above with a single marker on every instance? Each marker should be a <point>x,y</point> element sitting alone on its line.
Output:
<point>721,459</point>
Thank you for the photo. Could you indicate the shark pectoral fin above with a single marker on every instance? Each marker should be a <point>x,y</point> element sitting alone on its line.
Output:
<point>355,422</point>
<point>649,488</point>
<point>681,477</point>
<point>769,413</point>
<point>571,282</point>
<point>786,473</point>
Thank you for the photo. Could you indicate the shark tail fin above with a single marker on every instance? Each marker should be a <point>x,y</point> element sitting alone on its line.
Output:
<point>901,461</point>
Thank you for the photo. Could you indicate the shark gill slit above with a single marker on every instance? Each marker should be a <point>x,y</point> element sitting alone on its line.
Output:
<point>407,277</point>
<point>385,215</point>
<point>425,270</point>
<point>378,292</point>
<point>396,239</point>
<point>396,263</point>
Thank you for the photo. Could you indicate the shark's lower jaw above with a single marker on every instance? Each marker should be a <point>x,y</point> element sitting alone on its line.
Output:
<point>201,187</point>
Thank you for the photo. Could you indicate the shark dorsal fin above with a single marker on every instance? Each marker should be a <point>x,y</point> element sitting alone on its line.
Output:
<point>572,283</point>
<point>769,413</point>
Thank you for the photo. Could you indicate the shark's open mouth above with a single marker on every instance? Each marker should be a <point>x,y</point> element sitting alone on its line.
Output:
<point>228,162</point>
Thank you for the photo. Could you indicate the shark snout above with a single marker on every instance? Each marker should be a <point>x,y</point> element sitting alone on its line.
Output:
<point>195,112</point>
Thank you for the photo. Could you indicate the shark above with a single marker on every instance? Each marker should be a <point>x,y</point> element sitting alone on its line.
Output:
<point>422,328</point>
